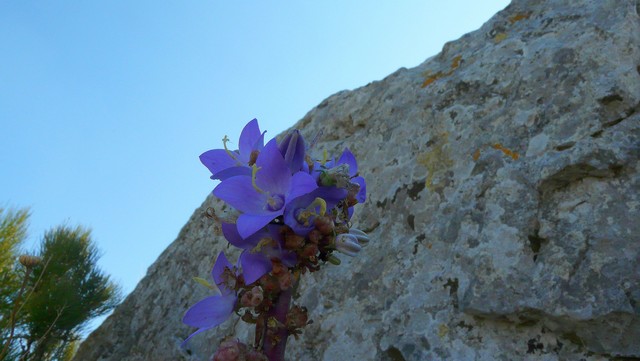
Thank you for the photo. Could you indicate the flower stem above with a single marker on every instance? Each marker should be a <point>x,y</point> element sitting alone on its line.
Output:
<point>275,340</point>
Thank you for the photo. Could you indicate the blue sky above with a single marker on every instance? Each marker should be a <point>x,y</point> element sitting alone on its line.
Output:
<point>106,106</point>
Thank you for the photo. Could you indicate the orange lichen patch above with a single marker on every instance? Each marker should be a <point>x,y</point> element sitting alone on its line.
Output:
<point>430,78</point>
<point>476,155</point>
<point>517,17</point>
<point>455,63</point>
<point>499,37</point>
<point>429,245</point>
<point>506,151</point>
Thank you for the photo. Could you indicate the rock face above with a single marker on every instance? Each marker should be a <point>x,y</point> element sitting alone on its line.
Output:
<point>503,207</point>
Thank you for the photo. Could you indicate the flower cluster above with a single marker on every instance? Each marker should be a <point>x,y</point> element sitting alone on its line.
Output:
<point>293,213</point>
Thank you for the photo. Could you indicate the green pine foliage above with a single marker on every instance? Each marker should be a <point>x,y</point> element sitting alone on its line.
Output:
<point>68,290</point>
<point>45,306</point>
<point>13,231</point>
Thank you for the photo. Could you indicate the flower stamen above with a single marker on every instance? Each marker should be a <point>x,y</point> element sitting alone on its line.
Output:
<point>325,157</point>
<point>254,170</point>
<point>310,211</point>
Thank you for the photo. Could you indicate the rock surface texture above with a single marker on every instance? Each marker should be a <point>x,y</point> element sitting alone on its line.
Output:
<point>503,207</point>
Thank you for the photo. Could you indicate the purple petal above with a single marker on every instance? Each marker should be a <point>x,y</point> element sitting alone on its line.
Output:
<point>274,176</point>
<point>232,172</point>
<point>259,143</point>
<point>301,184</point>
<point>230,232</point>
<point>348,158</point>
<point>218,269</point>
<point>249,224</point>
<point>217,161</point>
<point>292,149</point>
<point>184,343</point>
<point>254,266</point>
<point>362,193</point>
<point>289,258</point>
<point>331,196</point>
<point>250,134</point>
<point>210,312</point>
<point>240,194</point>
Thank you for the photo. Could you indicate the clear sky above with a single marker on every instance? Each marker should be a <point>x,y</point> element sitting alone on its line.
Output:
<point>105,106</point>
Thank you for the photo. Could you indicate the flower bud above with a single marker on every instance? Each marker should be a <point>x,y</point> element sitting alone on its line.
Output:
<point>297,317</point>
<point>252,298</point>
<point>324,224</point>
<point>292,149</point>
<point>278,268</point>
<point>285,280</point>
<point>314,236</point>
<point>269,283</point>
<point>229,350</point>
<point>347,243</point>
<point>362,237</point>
<point>337,176</point>
<point>334,260</point>
<point>29,261</point>
<point>255,355</point>
<point>292,241</point>
<point>309,250</point>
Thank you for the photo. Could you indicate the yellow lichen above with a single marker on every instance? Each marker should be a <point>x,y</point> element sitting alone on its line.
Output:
<point>443,330</point>
<point>499,37</point>
<point>517,17</point>
<point>437,161</point>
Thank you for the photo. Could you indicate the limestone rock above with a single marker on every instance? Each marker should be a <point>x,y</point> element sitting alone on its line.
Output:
<point>503,207</point>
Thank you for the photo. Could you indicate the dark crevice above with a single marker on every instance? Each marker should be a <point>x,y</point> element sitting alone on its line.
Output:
<point>632,301</point>
<point>416,188</point>
<point>597,134</point>
<point>609,99</point>
<point>419,240</point>
<point>411,221</point>
<point>613,122</point>
<point>535,243</point>
<point>394,354</point>
<point>534,345</point>
<point>413,192</point>
<point>565,146</point>
<point>453,290</point>
<point>574,173</point>
<point>627,113</point>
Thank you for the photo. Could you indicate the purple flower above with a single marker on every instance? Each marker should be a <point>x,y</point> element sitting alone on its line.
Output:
<point>259,249</point>
<point>263,196</point>
<point>224,163</point>
<point>214,310</point>
<point>292,149</point>
<point>301,212</point>
<point>341,174</point>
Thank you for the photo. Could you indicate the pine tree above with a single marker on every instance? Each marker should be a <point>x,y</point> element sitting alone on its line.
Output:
<point>13,231</point>
<point>68,290</point>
